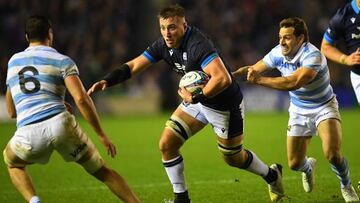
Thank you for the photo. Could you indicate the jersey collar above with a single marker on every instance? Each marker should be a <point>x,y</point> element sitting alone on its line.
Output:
<point>355,6</point>
<point>40,47</point>
<point>298,54</point>
<point>186,37</point>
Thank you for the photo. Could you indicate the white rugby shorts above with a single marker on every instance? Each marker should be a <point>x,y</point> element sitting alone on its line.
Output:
<point>226,124</point>
<point>355,81</point>
<point>35,143</point>
<point>304,122</point>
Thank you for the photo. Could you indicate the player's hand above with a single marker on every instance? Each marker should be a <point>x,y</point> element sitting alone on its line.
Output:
<point>68,107</point>
<point>110,147</point>
<point>185,95</point>
<point>100,85</point>
<point>353,59</point>
<point>241,71</point>
<point>252,75</point>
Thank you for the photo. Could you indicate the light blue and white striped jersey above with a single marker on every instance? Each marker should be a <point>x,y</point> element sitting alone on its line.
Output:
<point>318,91</point>
<point>36,81</point>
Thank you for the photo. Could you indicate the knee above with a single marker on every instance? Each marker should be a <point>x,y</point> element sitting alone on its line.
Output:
<point>232,161</point>
<point>102,173</point>
<point>164,146</point>
<point>11,160</point>
<point>168,146</point>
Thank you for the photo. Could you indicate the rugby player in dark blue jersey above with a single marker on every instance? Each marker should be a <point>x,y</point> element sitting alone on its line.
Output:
<point>345,25</point>
<point>185,49</point>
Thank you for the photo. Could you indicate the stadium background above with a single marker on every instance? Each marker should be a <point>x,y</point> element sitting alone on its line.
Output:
<point>101,34</point>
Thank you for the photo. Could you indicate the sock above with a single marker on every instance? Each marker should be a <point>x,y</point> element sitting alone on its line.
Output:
<point>182,197</point>
<point>342,172</point>
<point>34,199</point>
<point>271,176</point>
<point>305,166</point>
<point>175,171</point>
<point>254,165</point>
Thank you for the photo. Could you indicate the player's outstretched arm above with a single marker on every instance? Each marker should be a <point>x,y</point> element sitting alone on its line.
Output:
<point>87,109</point>
<point>299,78</point>
<point>334,54</point>
<point>100,85</point>
<point>121,74</point>
<point>10,105</point>
<point>241,71</point>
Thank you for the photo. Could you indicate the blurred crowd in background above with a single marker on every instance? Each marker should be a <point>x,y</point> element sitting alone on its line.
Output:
<point>101,34</point>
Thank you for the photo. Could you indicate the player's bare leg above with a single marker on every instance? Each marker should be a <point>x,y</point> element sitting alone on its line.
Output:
<point>18,174</point>
<point>330,133</point>
<point>236,156</point>
<point>178,129</point>
<point>112,180</point>
<point>297,160</point>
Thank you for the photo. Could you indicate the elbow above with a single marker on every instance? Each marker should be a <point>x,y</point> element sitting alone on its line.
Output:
<point>12,114</point>
<point>226,81</point>
<point>81,100</point>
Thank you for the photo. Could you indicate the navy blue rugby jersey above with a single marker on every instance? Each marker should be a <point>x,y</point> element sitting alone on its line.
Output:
<point>195,53</point>
<point>345,25</point>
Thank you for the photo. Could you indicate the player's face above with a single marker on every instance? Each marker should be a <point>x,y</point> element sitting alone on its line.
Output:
<point>289,43</point>
<point>172,30</point>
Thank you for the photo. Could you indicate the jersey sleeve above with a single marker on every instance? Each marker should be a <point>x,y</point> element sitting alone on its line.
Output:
<point>154,52</point>
<point>271,60</point>
<point>69,68</point>
<point>335,29</point>
<point>203,52</point>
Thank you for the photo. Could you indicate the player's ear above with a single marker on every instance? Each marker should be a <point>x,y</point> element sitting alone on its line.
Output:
<point>50,36</point>
<point>27,38</point>
<point>302,38</point>
<point>185,25</point>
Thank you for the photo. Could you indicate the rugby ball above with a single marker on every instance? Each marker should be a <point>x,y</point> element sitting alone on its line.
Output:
<point>194,80</point>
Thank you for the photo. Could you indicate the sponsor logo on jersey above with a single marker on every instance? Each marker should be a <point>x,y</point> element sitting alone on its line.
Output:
<point>185,56</point>
<point>352,19</point>
<point>179,67</point>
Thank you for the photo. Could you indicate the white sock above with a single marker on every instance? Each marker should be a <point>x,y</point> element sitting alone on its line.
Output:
<point>175,171</point>
<point>305,166</point>
<point>35,199</point>
<point>255,165</point>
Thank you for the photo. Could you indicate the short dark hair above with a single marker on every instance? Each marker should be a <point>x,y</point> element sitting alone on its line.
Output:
<point>37,28</point>
<point>172,11</point>
<point>299,26</point>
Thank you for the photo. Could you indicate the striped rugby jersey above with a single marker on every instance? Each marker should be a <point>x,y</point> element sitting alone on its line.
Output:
<point>315,93</point>
<point>35,78</point>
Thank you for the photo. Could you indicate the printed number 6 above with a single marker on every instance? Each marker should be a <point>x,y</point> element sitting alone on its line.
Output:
<point>23,80</point>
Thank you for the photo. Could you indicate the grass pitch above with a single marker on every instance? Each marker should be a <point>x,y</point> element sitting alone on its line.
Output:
<point>209,179</point>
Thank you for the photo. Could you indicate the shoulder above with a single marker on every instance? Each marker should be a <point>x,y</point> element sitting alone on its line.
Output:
<point>198,41</point>
<point>311,54</point>
<point>158,43</point>
<point>342,12</point>
<point>198,37</point>
<point>16,56</point>
<point>311,49</point>
<point>276,51</point>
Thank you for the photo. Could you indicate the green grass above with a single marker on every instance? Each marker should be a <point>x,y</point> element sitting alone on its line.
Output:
<point>209,179</point>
